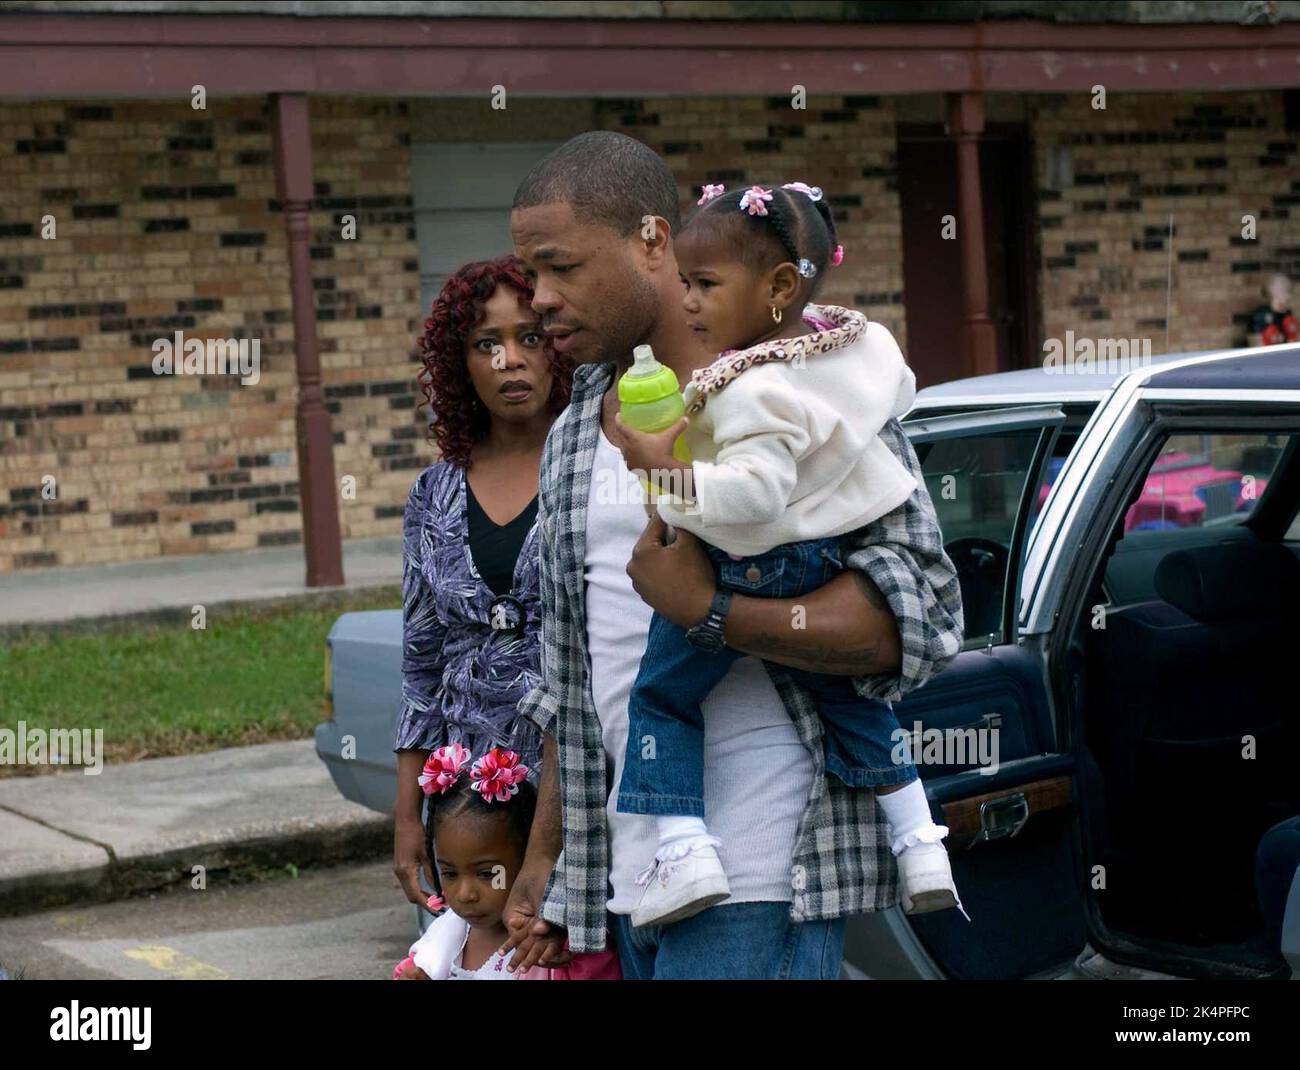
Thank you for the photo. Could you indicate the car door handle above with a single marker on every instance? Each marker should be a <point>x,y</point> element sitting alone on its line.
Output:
<point>1000,815</point>
<point>1000,819</point>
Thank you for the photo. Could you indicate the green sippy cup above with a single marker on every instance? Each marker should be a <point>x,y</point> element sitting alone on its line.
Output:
<point>649,400</point>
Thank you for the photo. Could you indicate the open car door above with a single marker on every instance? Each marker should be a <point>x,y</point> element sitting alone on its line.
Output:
<point>981,732</point>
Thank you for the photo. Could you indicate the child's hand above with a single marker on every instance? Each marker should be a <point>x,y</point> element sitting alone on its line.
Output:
<point>407,970</point>
<point>645,451</point>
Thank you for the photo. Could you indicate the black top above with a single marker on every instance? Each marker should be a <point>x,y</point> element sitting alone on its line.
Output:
<point>495,547</point>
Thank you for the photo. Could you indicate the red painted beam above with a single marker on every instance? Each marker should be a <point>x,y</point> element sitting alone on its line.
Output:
<point>322,545</point>
<point>163,56</point>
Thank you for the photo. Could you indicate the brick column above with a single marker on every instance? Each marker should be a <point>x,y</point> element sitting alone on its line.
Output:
<point>978,335</point>
<point>291,136</point>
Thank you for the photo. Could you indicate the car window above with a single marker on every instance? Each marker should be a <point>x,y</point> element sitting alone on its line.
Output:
<point>976,483</point>
<point>1064,444</point>
<point>1205,480</point>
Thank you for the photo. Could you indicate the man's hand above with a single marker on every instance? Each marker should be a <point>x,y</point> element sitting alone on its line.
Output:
<point>534,940</point>
<point>411,858</point>
<point>674,579</point>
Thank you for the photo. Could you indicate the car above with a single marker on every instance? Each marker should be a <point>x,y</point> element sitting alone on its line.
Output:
<point>1106,749</point>
<point>1119,669</point>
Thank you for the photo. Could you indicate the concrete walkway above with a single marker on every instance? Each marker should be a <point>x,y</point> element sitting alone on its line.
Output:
<point>177,583</point>
<point>69,837</point>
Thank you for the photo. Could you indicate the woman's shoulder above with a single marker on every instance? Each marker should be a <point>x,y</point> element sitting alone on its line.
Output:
<point>436,482</point>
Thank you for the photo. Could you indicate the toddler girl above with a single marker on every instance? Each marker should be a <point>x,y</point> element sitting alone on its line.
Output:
<point>783,428</point>
<point>479,822</point>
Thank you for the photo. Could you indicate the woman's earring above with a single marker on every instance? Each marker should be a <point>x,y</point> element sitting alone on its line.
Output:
<point>776,314</point>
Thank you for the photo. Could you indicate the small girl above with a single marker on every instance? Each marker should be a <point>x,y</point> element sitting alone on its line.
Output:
<point>783,428</point>
<point>479,824</point>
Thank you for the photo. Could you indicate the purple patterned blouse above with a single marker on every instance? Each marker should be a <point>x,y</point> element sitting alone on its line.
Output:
<point>461,679</point>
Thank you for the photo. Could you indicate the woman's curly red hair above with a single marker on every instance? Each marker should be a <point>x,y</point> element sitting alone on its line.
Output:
<point>459,420</point>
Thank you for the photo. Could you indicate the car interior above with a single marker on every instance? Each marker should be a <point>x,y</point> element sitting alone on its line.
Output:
<point>1189,723</point>
<point>1200,584</point>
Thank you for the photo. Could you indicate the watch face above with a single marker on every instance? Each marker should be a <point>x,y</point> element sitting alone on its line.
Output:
<point>705,638</point>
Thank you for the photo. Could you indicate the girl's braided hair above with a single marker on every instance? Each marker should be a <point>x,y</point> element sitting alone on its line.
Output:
<point>795,228</point>
<point>461,800</point>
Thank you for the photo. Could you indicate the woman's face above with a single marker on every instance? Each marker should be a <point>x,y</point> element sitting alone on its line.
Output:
<point>507,366</point>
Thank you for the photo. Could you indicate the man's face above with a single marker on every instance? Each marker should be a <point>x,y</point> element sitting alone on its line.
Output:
<point>595,290</point>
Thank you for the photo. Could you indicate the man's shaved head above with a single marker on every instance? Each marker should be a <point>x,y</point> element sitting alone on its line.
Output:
<point>607,178</point>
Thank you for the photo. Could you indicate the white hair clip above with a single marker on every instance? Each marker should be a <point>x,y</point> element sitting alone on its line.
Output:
<point>807,268</point>
<point>813,193</point>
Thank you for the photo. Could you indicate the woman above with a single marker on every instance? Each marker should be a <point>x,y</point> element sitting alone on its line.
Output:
<point>471,610</point>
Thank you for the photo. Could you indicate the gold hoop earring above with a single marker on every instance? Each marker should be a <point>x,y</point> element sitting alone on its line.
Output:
<point>776,314</point>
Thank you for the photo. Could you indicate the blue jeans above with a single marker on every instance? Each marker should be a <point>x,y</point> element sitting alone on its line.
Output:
<point>731,941</point>
<point>663,768</point>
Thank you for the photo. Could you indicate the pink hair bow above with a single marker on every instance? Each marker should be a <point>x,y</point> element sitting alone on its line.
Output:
<point>435,903</point>
<point>497,775</point>
<point>752,201</point>
<point>443,768</point>
<point>838,257</point>
<point>708,192</point>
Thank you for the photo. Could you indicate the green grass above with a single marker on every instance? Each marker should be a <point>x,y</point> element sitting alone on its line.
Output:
<point>252,676</point>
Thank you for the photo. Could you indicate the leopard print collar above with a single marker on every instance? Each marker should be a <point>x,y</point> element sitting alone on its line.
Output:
<point>846,327</point>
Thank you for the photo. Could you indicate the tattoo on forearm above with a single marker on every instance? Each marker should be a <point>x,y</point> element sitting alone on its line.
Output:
<point>854,661</point>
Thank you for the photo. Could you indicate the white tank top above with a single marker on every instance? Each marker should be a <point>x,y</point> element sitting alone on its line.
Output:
<point>757,775</point>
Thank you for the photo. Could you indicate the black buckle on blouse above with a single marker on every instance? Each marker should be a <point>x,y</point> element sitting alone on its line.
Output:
<point>506,614</point>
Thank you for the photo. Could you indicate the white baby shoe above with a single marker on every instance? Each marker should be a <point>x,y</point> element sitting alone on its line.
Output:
<point>925,874</point>
<point>688,879</point>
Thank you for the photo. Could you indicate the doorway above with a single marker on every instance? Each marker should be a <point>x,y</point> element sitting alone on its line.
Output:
<point>932,285</point>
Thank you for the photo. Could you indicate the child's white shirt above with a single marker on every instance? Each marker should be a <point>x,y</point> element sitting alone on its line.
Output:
<point>790,450</point>
<point>440,949</point>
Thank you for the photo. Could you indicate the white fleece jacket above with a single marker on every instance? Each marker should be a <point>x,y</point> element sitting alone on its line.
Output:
<point>789,451</point>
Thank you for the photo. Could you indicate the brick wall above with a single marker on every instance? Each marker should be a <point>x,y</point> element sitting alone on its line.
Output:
<point>1207,159</point>
<point>843,144</point>
<point>166,221</point>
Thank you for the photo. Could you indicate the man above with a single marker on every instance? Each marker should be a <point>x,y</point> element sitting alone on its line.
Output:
<point>593,224</point>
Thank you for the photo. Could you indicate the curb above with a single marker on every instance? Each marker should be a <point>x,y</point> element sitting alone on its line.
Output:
<point>360,838</point>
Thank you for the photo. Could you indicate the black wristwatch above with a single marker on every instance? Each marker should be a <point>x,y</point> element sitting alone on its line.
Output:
<point>707,635</point>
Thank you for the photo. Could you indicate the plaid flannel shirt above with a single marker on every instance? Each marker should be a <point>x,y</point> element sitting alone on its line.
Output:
<point>842,863</point>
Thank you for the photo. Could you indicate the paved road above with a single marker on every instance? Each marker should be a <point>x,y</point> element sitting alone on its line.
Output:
<point>344,922</point>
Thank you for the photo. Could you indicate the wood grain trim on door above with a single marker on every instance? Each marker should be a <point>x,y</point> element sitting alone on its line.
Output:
<point>962,816</point>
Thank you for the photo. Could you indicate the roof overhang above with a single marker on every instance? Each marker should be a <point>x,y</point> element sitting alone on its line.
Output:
<point>158,56</point>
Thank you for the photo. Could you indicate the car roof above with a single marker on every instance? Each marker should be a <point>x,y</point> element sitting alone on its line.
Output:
<point>1278,369</point>
<point>1033,385</point>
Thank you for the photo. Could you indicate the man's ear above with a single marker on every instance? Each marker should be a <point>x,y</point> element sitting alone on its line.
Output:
<point>655,235</point>
<point>783,285</point>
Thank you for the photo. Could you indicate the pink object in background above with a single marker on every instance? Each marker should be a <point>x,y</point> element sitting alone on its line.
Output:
<point>1169,496</point>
